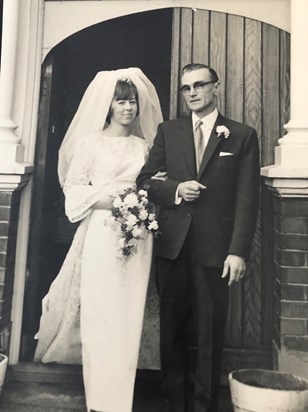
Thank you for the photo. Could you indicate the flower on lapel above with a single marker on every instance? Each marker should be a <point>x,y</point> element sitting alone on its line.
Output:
<point>222,130</point>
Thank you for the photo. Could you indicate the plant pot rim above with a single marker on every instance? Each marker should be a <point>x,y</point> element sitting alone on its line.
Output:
<point>269,379</point>
<point>3,357</point>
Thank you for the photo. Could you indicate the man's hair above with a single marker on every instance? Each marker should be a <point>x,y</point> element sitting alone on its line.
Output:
<point>196,66</point>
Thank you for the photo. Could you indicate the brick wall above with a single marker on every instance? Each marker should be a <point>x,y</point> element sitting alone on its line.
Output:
<point>9,211</point>
<point>291,274</point>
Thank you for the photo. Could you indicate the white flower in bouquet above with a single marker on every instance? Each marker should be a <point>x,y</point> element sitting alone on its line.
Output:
<point>136,232</point>
<point>143,214</point>
<point>132,243</point>
<point>153,225</point>
<point>117,202</point>
<point>143,193</point>
<point>131,200</point>
<point>151,216</point>
<point>131,220</point>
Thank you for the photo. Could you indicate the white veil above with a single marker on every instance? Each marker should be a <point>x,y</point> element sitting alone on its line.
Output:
<point>94,107</point>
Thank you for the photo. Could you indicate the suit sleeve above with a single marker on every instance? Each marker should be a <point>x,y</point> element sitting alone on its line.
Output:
<point>247,198</point>
<point>160,192</point>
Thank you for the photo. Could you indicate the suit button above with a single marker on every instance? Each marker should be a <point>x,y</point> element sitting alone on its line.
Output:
<point>189,214</point>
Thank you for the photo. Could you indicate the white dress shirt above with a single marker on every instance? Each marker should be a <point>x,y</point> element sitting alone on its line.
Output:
<point>207,125</point>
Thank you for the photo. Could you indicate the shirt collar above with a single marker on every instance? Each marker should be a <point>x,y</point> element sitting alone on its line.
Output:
<point>208,120</point>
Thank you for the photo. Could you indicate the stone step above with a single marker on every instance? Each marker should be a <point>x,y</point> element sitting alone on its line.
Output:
<point>45,373</point>
<point>58,388</point>
<point>42,397</point>
<point>13,407</point>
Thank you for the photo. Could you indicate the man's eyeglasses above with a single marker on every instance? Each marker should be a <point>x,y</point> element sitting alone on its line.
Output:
<point>197,87</point>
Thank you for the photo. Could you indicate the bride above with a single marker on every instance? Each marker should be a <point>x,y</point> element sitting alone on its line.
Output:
<point>93,312</point>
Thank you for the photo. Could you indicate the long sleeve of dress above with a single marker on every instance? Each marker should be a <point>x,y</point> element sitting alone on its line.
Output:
<point>80,194</point>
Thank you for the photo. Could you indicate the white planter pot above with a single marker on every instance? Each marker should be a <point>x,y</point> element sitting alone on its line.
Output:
<point>258,390</point>
<point>3,366</point>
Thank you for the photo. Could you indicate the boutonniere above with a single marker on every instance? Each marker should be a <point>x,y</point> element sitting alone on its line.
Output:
<point>222,131</point>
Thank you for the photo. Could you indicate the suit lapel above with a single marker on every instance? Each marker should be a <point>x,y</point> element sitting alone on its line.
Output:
<point>213,142</point>
<point>187,143</point>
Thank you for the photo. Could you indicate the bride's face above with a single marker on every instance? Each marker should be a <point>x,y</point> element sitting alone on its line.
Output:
<point>124,112</point>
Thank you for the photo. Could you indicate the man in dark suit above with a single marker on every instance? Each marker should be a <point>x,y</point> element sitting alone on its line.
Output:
<point>208,210</point>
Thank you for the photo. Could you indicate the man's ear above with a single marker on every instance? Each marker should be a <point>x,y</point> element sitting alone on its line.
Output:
<point>216,90</point>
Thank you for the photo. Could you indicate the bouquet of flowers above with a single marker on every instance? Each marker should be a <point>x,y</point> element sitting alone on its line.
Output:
<point>135,215</point>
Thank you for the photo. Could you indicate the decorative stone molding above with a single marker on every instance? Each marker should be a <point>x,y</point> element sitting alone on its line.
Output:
<point>64,18</point>
<point>284,187</point>
<point>11,183</point>
<point>292,153</point>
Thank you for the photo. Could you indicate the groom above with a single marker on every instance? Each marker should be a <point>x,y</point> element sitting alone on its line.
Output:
<point>207,219</point>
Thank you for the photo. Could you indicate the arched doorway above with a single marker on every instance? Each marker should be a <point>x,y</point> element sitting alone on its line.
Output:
<point>131,41</point>
<point>252,60</point>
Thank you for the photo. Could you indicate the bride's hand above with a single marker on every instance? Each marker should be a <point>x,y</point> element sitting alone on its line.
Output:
<point>160,176</point>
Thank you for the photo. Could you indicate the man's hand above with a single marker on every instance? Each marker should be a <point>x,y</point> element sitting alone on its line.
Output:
<point>190,190</point>
<point>160,176</point>
<point>235,265</point>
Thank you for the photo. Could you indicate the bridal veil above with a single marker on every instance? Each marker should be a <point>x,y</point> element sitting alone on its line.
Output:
<point>94,107</point>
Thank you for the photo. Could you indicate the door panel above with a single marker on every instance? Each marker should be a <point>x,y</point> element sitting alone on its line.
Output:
<point>43,256</point>
<point>252,62</point>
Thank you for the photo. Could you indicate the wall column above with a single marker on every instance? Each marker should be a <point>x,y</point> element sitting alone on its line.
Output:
<point>288,181</point>
<point>293,148</point>
<point>22,35</point>
<point>10,149</point>
<point>13,172</point>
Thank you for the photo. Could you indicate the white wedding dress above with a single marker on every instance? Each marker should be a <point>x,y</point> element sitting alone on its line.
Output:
<point>96,304</point>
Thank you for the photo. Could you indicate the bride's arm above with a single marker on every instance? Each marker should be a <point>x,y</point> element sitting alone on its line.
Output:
<point>80,196</point>
<point>104,202</point>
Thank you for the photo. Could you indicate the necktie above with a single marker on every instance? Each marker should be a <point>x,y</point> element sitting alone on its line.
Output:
<point>199,143</point>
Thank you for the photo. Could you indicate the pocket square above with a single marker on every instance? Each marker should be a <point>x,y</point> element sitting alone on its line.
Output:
<point>226,154</point>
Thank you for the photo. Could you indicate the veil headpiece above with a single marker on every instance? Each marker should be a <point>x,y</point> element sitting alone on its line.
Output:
<point>94,107</point>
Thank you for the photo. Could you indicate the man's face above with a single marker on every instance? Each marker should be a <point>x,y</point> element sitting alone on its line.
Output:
<point>199,91</point>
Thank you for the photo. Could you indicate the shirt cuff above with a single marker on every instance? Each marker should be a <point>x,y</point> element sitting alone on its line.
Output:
<point>178,199</point>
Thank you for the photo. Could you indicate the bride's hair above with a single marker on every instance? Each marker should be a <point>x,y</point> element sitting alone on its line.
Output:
<point>124,90</point>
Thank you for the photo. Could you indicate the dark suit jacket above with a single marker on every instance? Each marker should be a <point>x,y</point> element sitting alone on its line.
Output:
<point>224,216</point>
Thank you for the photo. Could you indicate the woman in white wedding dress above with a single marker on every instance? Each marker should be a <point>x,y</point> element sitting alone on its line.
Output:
<point>93,312</point>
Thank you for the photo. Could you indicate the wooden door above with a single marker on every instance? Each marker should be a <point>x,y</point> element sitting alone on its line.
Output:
<point>44,258</point>
<point>252,62</point>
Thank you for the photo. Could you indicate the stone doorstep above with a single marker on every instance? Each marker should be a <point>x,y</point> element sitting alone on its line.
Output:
<point>19,396</point>
<point>72,374</point>
<point>34,387</point>
<point>28,408</point>
<point>31,387</point>
<point>45,373</point>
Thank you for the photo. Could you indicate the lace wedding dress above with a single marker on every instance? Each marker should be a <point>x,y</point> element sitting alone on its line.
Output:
<point>96,304</point>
